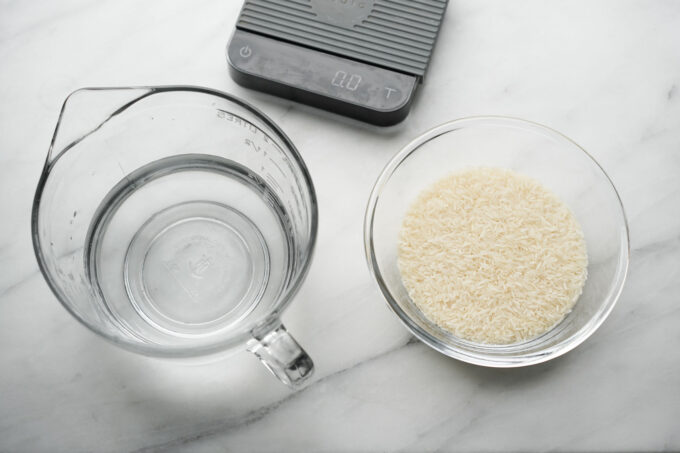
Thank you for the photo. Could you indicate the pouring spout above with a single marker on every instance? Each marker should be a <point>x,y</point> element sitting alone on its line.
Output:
<point>86,110</point>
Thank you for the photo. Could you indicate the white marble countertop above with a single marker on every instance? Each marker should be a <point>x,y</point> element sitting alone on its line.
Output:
<point>604,72</point>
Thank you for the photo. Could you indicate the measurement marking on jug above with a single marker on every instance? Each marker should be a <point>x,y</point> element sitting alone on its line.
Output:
<point>277,166</point>
<point>237,120</point>
<point>270,179</point>
<point>252,144</point>
<point>255,146</point>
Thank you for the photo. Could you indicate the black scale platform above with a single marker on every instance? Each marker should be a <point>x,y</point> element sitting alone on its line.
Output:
<point>360,58</point>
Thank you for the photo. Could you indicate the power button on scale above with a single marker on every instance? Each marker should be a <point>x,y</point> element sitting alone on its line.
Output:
<point>245,51</point>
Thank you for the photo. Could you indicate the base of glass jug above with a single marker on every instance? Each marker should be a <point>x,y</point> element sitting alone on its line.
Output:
<point>196,266</point>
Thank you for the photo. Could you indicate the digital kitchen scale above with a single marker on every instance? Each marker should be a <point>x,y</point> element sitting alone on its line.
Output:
<point>360,58</point>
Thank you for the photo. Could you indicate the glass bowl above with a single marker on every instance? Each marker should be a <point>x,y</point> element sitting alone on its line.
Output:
<point>528,148</point>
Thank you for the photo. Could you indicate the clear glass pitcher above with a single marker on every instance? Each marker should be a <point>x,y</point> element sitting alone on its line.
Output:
<point>176,222</point>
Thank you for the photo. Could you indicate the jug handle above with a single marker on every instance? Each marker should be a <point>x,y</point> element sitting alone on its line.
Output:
<point>281,354</point>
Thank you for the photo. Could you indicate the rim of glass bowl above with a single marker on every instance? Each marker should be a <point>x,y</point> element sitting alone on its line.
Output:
<point>507,361</point>
<point>150,350</point>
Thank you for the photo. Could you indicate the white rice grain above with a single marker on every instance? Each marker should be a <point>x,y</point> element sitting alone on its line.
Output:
<point>492,256</point>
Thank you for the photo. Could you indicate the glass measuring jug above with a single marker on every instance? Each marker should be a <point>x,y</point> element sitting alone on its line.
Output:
<point>176,222</point>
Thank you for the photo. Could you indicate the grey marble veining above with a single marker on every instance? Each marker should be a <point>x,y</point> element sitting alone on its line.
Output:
<point>604,72</point>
